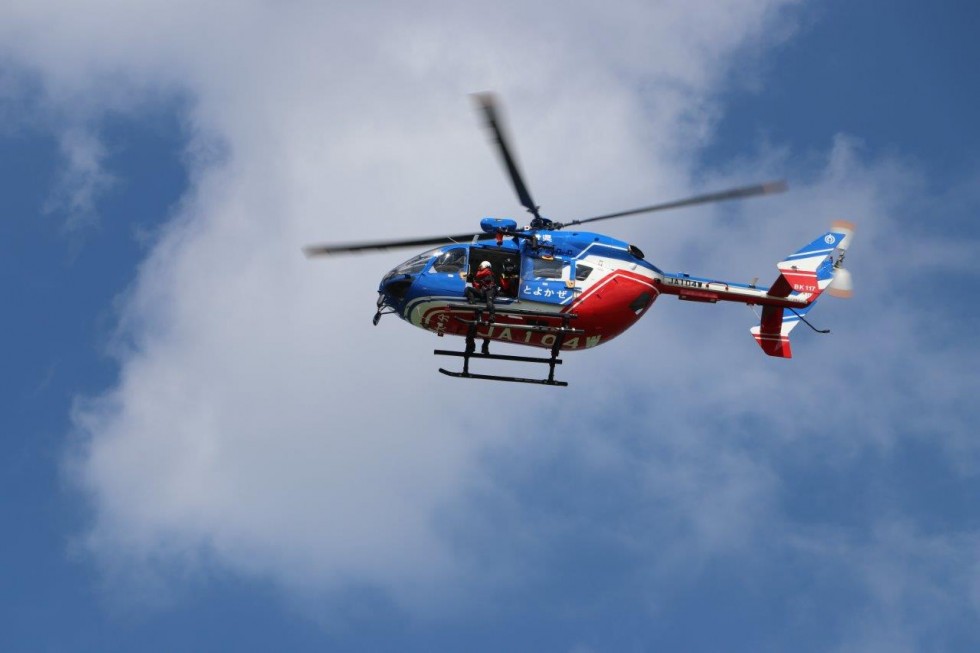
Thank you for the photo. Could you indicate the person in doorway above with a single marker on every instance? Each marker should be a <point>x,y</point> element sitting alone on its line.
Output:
<point>509,282</point>
<point>483,287</point>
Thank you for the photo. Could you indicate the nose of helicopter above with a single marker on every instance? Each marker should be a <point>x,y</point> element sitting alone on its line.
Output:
<point>394,287</point>
<point>391,293</point>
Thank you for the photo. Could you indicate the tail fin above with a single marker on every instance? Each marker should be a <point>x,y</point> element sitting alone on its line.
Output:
<point>808,271</point>
<point>804,274</point>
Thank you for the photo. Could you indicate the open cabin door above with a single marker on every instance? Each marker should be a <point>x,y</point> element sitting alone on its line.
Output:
<point>546,278</point>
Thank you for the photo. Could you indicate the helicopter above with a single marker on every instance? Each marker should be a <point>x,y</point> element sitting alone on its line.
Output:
<point>549,285</point>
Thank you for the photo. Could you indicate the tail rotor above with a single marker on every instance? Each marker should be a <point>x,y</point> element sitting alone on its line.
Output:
<point>842,285</point>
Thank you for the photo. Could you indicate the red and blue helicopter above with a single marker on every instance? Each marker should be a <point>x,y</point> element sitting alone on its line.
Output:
<point>556,287</point>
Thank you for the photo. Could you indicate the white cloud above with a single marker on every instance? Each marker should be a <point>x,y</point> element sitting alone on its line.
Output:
<point>259,424</point>
<point>82,180</point>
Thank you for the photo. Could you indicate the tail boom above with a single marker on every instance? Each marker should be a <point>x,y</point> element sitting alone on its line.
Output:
<point>697,289</point>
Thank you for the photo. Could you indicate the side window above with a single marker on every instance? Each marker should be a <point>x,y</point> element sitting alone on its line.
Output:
<point>451,261</point>
<point>582,272</point>
<point>544,268</point>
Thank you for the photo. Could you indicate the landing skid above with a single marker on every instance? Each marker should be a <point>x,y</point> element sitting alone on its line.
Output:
<point>466,374</point>
<point>478,320</point>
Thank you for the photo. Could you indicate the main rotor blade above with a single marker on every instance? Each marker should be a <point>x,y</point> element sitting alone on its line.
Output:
<point>351,248</point>
<point>767,188</point>
<point>488,104</point>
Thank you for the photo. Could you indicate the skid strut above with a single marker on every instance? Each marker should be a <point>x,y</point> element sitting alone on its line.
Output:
<point>560,332</point>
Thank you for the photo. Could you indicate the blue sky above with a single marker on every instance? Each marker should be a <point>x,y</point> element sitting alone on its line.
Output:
<point>203,446</point>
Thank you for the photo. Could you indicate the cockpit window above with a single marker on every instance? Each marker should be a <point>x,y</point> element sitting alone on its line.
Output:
<point>544,268</point>
<point>451,261</point>
<point>415,264</point>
